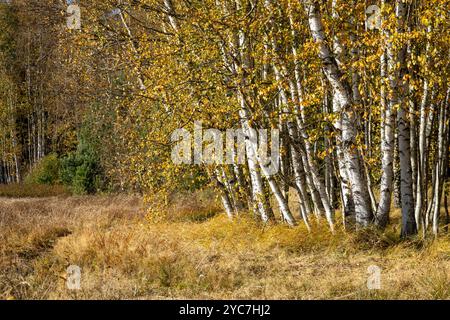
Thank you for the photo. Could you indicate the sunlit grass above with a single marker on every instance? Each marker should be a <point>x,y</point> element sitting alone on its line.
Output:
<point>125,254</point>
<point>32,190</point>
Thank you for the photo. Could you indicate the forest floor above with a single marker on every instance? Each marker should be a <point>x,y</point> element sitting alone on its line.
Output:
<point>195,252</point>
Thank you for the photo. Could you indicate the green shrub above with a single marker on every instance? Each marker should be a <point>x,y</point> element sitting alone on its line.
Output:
<point>45,171</point>
<point>82,181</point>
<point>81,170</point>
<point>68,168</point>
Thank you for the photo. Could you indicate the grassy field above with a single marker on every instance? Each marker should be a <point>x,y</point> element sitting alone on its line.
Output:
<point>195,252</point>
<point>32,190</point>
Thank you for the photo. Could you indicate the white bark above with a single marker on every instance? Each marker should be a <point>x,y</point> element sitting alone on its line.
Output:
<point>387,141</point>
<point>421,152</point>
<point>343,105</point>
<point>224,192</point>
<point>397,66</point>
<point>440,165</point>
<point>255,175</point>
<point>308,154</point>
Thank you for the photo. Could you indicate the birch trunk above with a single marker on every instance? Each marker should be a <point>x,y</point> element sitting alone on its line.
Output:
<point>224,193</point>
<point>398,69</point>
<point>387,145</point>
<point>421,168</point>
<point>258,193</point>
<point>343,104</point>
<point>308,154</point>
<point>440,166</point>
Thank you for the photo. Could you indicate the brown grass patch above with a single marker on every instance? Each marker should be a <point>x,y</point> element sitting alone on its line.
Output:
<point>32,190</point>
<point>124,255</point>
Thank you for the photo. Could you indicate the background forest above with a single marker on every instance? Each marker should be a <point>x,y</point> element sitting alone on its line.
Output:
<point>363,109</point>
<point>359,91</point>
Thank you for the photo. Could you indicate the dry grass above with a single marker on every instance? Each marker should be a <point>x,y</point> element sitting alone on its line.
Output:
<point>124,255</point>
<point>32,190</point>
